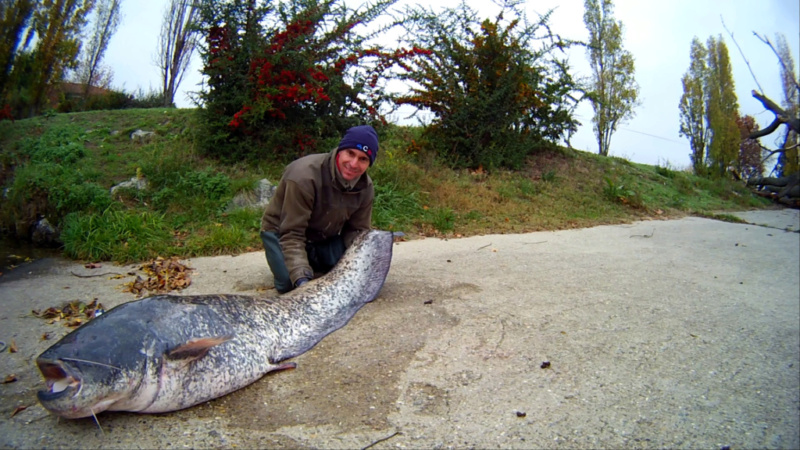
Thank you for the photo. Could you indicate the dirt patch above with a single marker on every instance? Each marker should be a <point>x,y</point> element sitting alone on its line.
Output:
<point>549,162</point>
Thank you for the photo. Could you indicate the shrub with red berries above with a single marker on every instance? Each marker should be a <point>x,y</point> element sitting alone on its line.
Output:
<point>284,82</point>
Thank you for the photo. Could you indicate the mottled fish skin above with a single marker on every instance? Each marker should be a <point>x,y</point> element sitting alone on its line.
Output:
<point>167,352</point>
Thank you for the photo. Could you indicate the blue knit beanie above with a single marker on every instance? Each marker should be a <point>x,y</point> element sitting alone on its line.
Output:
<point>362,137</point>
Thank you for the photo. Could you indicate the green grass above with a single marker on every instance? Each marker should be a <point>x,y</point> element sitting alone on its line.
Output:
<point>62,166</point>
<point>123,235</point>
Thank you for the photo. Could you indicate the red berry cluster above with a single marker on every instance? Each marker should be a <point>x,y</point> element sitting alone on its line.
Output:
<point>304,143</point>
<point>5,113</point>
<point>286,75</point>
<point>278,81</point>
<point>237,118</point>
<point>389,59</point>
<point>218,44</point>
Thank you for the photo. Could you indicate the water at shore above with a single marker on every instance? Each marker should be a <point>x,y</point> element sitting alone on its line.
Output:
<point>15,253</point>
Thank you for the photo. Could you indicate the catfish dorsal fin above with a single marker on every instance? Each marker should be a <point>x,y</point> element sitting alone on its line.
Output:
<point>195,348</point>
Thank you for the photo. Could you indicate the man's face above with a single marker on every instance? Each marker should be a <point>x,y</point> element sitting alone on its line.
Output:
<point>352,163</point>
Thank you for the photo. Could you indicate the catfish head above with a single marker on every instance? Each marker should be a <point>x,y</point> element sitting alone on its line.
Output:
<point>93,367</point>
<point>115,363</point>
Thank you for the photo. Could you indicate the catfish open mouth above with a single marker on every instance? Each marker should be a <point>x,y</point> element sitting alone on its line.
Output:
<point>58,380</point>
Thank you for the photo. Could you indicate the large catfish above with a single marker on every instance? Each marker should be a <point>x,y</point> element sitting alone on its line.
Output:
<point>167,352</point>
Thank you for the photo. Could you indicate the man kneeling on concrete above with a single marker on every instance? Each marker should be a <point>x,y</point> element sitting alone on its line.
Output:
<point>321,203</point>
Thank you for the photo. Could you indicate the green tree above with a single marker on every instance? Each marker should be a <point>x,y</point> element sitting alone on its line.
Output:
<point>722,109</point>
<point>15,16</point>
<point>56,25</point>
<point>18,96</point>
<point>613,91</point>
<point>495,96</point>
<point>693,106</point>
<point>232,31</point>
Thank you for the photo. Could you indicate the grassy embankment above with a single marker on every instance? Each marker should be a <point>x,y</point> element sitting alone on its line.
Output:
<point>63,166</point>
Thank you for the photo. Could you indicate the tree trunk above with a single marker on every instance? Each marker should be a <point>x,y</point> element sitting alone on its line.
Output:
<point>784,190</point>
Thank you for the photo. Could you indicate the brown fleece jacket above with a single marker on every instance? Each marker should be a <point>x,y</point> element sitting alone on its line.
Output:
<point>311,204</point>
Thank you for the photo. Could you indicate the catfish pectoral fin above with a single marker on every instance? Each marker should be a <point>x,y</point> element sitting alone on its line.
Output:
<point>285,366</point>
<point>195,349</point>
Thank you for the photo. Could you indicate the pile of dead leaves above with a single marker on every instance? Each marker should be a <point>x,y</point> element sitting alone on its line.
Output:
<point>163,275</point>
<point>73,314</point>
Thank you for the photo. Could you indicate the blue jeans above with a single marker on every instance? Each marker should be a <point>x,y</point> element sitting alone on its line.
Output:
<point>322,256</point>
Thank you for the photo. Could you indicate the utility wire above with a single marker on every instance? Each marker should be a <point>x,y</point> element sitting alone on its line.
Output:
<point>652,135</point>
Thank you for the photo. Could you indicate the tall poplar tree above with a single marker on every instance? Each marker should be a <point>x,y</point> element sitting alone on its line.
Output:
<point>722,109</point>
<point>614,91</point>
<point>789,159</point>
<point>15,16</point>
<point>57,25</point>
<point>176,44</point>
<point>693,106</point>
<point>106,21</point>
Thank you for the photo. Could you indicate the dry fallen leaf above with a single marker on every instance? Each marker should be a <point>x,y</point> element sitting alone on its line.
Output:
<point>164,275</point>
<point>18,410</point>
<point>48,313</point>
<point>10,378</point>
<point>75,313</point>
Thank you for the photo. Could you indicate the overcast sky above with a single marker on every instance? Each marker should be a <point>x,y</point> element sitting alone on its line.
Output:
<point>658,33</point>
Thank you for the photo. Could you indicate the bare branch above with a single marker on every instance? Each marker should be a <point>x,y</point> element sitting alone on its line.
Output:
<point>106,22</point>
<point>177,42</point>
<point>781,117</point>
<point>770,153</point>
<point>780,60</point>
<point>746,61</point>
